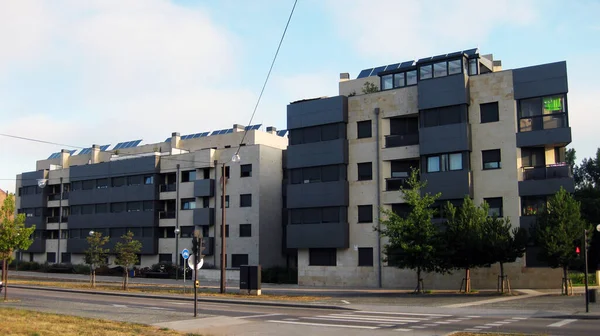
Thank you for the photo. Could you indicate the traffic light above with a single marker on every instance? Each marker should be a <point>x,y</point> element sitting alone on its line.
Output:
<point>577,250</point>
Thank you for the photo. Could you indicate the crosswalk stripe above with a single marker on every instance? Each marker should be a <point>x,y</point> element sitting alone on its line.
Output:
<point>394,313</point>
<point>412,318</point>
<point>561,323</point>
<point>402,329</point>
<point>323,324</point>
<point>349,320</point>
<point>519,318</point>
<point>360,318</point>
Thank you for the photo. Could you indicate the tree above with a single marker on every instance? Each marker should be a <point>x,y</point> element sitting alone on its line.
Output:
<point>558,228</point>
<point>127,252</point>
<point>412,239</point>
<point>369,87</point>
<point>96,255</point>
<point>587,175</point>
<point>13,235</point>
<point>503,245</point>
<point>464,241</point>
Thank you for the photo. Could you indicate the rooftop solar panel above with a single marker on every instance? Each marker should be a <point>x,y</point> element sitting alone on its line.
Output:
<point>364,73</point>
<point>136,143</point>
<point>168,140</point>
<point>104,148</point>
<point>85,151</point>
<point>197,135</point>
<point>456,53</point>
<point>53,156</point>
<point>215,132</point>
<point>73,151</point>
<point>471,52</point>
<point>255,127</point>
<point>392,67</point>
<point>377,70</point>
<point>227,131</point>
<point>205,134</point>
<point>282,133</point>
<point>407,64</point>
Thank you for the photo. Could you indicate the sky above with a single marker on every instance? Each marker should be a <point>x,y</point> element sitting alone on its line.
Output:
<point>106,71</point>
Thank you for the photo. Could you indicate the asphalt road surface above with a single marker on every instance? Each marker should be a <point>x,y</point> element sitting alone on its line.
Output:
<point>238,319</point>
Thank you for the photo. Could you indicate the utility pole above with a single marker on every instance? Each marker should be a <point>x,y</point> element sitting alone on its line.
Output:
<point>585,260</point>
<point>177,224</point>
<point>60,211</point>
<point>196,253</point>
<point>223,249</point>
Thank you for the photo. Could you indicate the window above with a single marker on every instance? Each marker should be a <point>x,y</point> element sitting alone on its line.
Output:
<point>363,129</point>
<point>533,157</point>
<point>148,205</point>
<point>404,126</point>
<point>322,257</point>
<point>87,209</point>
<point>365,256</point>
<point>226,171</point>
<point>118,181</point>
<point>117,232</point>
<point>365,171</point>
<point>187,231</point>
<point>425,72</point>
<point>387,82</point>
<point>226,201</point>
<point>315,174</point>
<point>444,162</point>
<point>542,113</point>
<point>101,208</point>
<point>315,215</point>
<point>411,77</point>
<point>560,154</point>
<point>65,257</point>
<point>188,176</point>
<point>134,206</point>
<point>454,67</point>
<point>315,134</point>
<point>246,170</point>
<point>440,70</point>
<point>532,205</point>
<point>137,232</point>
<point>75,209</point>
<point>206,173</point>
<point>330,173</point>
<point>489,112</point>
<point>117,207</point>
<point>165,258</point>
<point>330,215</point>
<point>226,230</point>
<point>134,180</point>
<point>491,159</point>
<point>75,233</point>
<point>245,230</point>
<point>365,213</point>
<point>188,203</point>
<point>38,212</point>
<point>399,79</point>
<point>88,185</point>
<point>443,116</point>
<point>238,260</point>
<point>495,204</point>
<point>51,257</point>
<point>149,179</point>
<point>167,232</point>
<point>102,183</point>
<point>473,67</point>
<point>245,200</point>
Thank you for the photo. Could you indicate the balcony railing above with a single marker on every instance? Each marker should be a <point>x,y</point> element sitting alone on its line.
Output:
<point>543,122</point>
<point>396,183</point>
<point>53,219</point>
<point>56,197</point>
<point>166,215</point>
<point>547,172</point>
<point>395,140</point>
<point>168,187</point>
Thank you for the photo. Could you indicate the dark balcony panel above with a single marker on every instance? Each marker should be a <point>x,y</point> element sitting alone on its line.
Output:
<point>52,220</point>
<point>317,112</point>
<point>168,187</point>
<point>452,184</point>
<point>124,167</point>
<point>204,216</point>
<point>30,178</point>
<point>443,91</point>
<point>166,215</point>
<point>209,246</point>
<point>34,201</point>
<point>318,154</point>
<point>527,222</point>
<point>204,188</point>
<point>545,187</point>
<point>554,136</point>
<point>548,172</point>
<point>114,220</point>
<point>39,222</point>
<point>142,192</point>
<point>324,194</point>
<point>326,235</point>
<point>401,140</point>
<point>396,183</point>
<point>79,245</point>
<point>540,80</point>
<point>38,246</point>
<point>445,139</point>
<point>54,197</point>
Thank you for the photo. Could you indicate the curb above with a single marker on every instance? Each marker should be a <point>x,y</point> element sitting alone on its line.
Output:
<point>164,297</point>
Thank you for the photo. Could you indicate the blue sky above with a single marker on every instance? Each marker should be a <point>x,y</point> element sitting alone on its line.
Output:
<point>106,71</point>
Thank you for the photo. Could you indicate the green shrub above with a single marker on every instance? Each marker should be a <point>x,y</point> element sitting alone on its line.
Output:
<point>578,278</point>
<point>279,275</point>
<point>81,269</point>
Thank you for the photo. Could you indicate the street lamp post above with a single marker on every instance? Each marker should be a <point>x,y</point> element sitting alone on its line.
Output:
<point>92,268</point>
<point>177,253</point>
<point>234,158</point>
<point>586,248</point>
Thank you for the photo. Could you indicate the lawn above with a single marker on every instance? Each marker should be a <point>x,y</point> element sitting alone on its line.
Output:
<point>31,323</point>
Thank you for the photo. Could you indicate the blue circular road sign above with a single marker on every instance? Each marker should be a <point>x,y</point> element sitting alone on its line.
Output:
<point>185,253</point>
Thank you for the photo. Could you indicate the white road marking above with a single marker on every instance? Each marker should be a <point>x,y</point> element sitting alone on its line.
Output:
<point>562,323</point>
<point>119,306</point>
<point>360,319</point>
<point>475,316</point>
<point>179,303</point>
<point>291,319</point>
<point>442,322</point>
<point>346,302</point>
<point>403,329</point>
<point>472,329</point>
<point>394,313</point>
<point>483,327</point>
<point>463,318</point>
<point>454,320</point>
<point>430,325</point>
<point>261,315</point>
<point>504,322</point>
<point>158,308</point>
<point>418,327</point>
<point>407,318</point>
<point>495,324</point>
<point>385,325</point>
<point>323,324</point>
<point>519,318</point>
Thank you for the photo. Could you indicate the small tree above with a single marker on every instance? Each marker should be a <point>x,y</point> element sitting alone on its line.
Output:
<point>464,241</point>
<point>503,245</point>
<point>558,228</point>
<point>369,87</point>
<point>96,255</point>
<point>127,252</point>
<point>13,235</point>
<point>412,239</point>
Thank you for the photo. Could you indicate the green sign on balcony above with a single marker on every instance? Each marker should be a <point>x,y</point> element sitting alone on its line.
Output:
<point>553,104</point>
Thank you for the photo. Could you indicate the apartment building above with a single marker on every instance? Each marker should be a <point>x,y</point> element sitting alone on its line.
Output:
<point>154,189</point>
<point>471,128</point>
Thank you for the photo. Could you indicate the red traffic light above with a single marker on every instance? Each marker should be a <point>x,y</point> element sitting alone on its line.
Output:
<point>577,250</point>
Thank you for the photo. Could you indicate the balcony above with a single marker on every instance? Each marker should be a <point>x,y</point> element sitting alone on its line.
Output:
<point>53,219</point>
<point>398,140</point>
<point>325,235</point>
<point>546,180</point>
<point>166,215</point>
<point>168,187</point>
<point>323,194</point>
<point>544,130</point>
<point>204,216</point>
<point>204,188</point>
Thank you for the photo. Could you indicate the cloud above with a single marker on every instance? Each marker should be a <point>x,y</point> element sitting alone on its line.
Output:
<point>413,29</point>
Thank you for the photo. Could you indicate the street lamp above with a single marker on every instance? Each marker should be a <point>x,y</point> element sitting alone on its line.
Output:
<point>586,248</point>
<point>177,253</point>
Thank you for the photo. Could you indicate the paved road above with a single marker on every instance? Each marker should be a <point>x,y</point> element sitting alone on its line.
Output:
<point>235,319</point>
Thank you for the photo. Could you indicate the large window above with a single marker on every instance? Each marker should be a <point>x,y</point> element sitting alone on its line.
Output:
<point>316,174</point>
<point>495,204</point>
<point>399,80</point>
<point>443,116</point>
<point>542,113</point>
<point>365,213</point>
<point>246,170</point>
<point>491,159</point>
<point>188,203</point>
<point>88,185</point>
<point>322,257</point>
<point>444,162</point>
<point>245,200</point>
<point>102,183</point>
<point>188,176</point>
<point>315,215</point>
<point>365,256</point>
<point>440,69</point>
<point>363,129</point>
<point>118,181</point>
<point>365,171</point>
<point>245,230</point>
<point>532,205</point>
<point>315,134</point>
<point>533,157</point>
<point>117,207</point>
<point>489,112</point>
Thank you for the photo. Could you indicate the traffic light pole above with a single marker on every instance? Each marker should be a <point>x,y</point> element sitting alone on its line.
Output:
<point>196,250</point>
<point>585,260</point>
